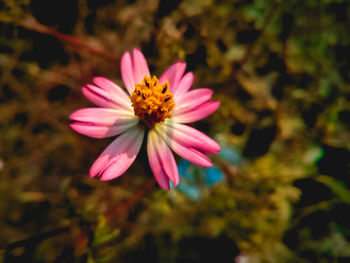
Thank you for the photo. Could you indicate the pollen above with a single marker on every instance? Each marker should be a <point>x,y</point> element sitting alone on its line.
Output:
<point>152,101</point>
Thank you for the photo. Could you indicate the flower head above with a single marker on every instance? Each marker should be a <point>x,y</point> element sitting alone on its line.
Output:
<point>161,106</point>
<point>152,101</point>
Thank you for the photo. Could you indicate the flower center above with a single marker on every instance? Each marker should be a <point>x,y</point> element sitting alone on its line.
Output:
<point>152,101</point>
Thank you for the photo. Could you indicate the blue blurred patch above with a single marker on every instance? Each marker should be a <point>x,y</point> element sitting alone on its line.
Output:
<point>195,178</point>
<point>192,192</point>
<point>182,168</point>
<point>230,154</point>
<point>213,176</point>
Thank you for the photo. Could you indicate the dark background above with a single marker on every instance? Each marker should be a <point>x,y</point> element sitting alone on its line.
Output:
<point>281,72</point>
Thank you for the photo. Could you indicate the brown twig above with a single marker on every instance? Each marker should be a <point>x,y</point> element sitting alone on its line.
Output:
<point>36,238</point>
<point>30,23</point>
<point>110,214</point>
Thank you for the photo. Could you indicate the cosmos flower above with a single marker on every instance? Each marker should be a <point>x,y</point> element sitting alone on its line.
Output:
<point>156,108</point>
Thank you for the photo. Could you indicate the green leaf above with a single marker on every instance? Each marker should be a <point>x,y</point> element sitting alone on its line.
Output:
<point>337,187</point>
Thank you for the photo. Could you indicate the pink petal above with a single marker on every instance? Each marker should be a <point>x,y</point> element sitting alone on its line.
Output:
<point>113,89</point>
<point>118,156</point>
<point>107,99</point>
<point>184,85</point>
<point>127,70</point>
<point>192,99</point>
<point>173,74</point>
<point>133,69</point>
<point>102,122</point>
<point>197,113</point>
<point>165,157</point>
<point>186,152</point>
<point>140,66</point>
<point>161,161</point>
<point>192,138</point>
<point>190,154</point>
<point>99,96</point>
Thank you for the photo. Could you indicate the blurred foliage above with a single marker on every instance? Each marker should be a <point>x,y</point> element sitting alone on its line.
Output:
<point>281,70</point>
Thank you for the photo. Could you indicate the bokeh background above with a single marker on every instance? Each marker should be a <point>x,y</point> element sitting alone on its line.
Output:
<point>279,189</point>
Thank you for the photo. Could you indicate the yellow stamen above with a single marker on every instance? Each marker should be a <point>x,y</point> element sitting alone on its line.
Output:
<point>152,101</point>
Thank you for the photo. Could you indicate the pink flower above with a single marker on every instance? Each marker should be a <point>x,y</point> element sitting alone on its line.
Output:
<point>159,107</point>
